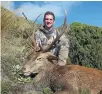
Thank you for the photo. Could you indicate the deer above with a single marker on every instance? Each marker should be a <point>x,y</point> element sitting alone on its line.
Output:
<point>66,79</point>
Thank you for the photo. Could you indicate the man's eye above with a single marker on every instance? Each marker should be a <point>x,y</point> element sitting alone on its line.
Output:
<point>49,19</point>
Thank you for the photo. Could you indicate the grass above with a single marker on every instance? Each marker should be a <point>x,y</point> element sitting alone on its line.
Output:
<point>84,92</point>
<point>14,49</point>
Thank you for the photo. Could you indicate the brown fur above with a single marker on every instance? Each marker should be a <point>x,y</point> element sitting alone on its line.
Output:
<point>64,79</point>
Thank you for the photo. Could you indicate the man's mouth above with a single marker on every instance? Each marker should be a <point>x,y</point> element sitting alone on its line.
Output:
<point>48,23</point>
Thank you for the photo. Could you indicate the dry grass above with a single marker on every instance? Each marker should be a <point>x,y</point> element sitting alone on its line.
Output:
<point>14,49</point>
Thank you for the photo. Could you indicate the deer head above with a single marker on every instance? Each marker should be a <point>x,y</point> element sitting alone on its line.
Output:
<point>39,64</point>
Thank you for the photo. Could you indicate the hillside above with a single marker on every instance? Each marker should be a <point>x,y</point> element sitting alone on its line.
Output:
<point>15,45</point>
<point>14,49</point>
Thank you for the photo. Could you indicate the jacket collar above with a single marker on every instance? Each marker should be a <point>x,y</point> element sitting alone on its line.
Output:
<point>50,31</point>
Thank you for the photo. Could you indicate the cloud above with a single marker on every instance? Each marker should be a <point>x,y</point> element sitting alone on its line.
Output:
<point>8,4</point>
<point>33,9</point>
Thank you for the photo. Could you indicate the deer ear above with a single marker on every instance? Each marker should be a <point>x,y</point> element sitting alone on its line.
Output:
<point>53,59</point>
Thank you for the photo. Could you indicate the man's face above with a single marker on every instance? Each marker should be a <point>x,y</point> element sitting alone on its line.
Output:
<point>49,21</point>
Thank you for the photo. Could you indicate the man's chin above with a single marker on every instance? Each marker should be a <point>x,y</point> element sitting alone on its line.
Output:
<point>49,26</point>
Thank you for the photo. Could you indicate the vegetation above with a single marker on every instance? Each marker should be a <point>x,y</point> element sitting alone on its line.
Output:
<point>84,92</point>
<point>86,45</point>
<point>85,49</point>
<point>14,49</point>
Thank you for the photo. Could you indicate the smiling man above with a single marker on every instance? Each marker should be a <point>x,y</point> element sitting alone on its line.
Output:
<point>49,20</point>
<point>46,34</point>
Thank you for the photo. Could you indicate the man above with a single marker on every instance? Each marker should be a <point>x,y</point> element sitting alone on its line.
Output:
<point>46,34</point>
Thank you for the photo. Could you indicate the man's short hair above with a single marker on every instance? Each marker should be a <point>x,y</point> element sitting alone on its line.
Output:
<point>51,13</point>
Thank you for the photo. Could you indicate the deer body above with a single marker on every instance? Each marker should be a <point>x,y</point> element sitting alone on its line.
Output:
<point>74,78</point>
<point>61,79</point>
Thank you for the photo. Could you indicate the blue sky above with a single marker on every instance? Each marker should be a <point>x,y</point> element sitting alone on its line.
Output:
<point>87,12</point>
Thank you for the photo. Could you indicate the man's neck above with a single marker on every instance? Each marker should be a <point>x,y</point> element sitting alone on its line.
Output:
<point>47,28</point>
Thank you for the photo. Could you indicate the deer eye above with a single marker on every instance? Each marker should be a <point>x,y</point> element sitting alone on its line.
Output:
<point>39,58</point>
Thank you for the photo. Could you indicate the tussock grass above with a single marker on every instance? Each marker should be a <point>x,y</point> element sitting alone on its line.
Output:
<point>84,92</point>
<point>14,49</point>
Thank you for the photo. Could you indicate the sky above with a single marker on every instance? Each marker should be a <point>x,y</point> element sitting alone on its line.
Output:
<point>85,12</point>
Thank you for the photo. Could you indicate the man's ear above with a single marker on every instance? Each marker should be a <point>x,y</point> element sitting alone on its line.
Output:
<point>54,22</point>
<point>43,21</point>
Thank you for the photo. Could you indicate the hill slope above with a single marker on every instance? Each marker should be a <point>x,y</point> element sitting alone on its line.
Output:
<point>14,49</point>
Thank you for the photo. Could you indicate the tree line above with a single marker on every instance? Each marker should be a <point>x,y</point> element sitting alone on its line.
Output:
<point>86,45</point>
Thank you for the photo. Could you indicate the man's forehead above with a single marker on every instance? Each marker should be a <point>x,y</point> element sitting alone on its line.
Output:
<point>49,15</point>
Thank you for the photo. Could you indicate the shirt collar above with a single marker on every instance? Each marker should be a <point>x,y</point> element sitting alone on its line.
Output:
<point>51,30</point>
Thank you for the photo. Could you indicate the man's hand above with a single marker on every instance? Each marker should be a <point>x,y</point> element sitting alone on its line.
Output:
<point>37,49</point>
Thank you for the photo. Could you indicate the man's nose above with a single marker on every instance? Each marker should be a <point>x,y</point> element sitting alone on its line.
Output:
<point>48,20</point>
